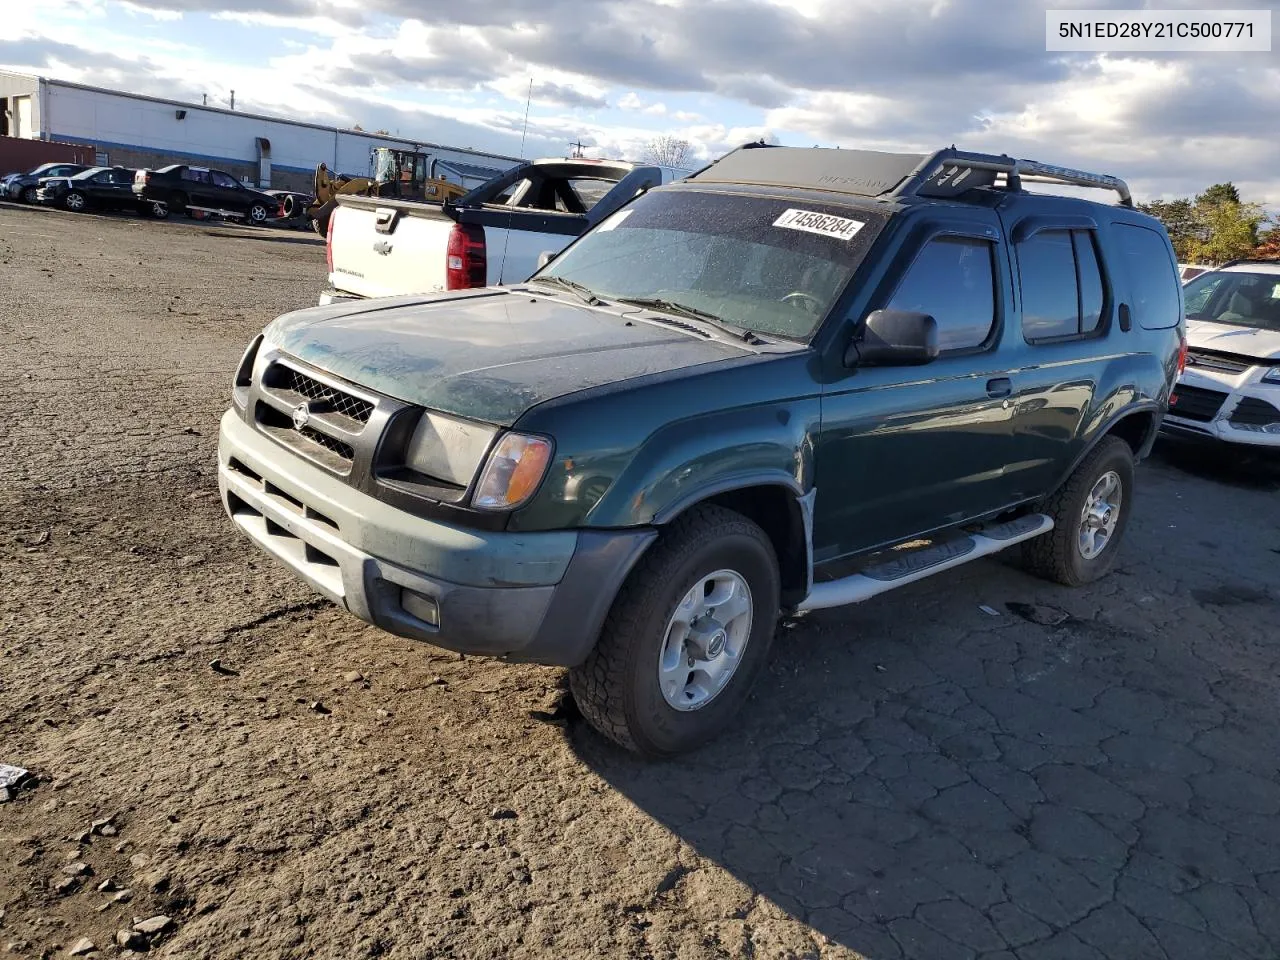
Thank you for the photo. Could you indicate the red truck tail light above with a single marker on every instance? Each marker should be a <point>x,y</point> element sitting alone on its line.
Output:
<point>1182,352</point>
<point>466,262</point>
<point>328,241</point>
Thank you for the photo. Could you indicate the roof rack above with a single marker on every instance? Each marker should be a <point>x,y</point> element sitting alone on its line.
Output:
<point>870,173</point>
<point>947,169</point>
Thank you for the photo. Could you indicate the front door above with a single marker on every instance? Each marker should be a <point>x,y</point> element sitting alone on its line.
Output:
<point>227,193</point>
<point>906,450</point>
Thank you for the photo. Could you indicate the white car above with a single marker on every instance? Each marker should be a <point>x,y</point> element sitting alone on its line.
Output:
<point>1230,389</point>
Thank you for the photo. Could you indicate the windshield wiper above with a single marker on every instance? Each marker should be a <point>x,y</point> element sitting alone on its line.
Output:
<point>693,313</point>
<point>584,293</point>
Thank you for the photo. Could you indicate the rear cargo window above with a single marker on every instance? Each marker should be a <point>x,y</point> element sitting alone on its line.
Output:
<point>1153,280</point>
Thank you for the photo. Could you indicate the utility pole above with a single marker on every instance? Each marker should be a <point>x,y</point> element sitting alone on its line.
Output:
<point>577,150</point>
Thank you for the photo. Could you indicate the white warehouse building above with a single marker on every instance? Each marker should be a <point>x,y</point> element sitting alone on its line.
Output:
<point>133,130</point>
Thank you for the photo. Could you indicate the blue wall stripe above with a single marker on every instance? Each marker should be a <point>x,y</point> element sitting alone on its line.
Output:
<point>177,154</point>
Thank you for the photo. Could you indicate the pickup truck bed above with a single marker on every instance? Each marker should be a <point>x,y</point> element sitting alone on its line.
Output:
<point>493,235</point>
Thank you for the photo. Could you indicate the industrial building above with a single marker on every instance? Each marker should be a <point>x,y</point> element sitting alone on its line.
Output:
<point>133,130</point>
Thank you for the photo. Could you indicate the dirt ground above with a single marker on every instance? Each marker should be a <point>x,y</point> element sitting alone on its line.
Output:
<point>1091,773</point>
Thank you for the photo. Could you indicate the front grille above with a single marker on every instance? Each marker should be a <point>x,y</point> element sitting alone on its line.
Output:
<point>332,444</point>
<point>1195,403</point>
<point>326,397</point>
<point>326,450</point>
<point>1252,412</point>
<point>1202,360</point>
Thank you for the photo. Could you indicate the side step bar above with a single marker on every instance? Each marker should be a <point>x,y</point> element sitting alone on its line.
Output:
<point>924,563</point>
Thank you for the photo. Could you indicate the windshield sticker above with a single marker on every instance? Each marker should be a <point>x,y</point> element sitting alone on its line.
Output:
<point>613,221</point>
<point>821,223</point>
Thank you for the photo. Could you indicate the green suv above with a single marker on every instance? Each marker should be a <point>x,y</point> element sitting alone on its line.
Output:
<point>794,380</point>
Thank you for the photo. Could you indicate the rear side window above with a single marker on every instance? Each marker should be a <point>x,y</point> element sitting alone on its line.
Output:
<point>1153,280</point>
<point>1061,284</point>
<point>952,280</point>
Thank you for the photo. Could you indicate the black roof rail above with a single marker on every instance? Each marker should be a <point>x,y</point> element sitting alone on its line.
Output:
<point>946,170</point>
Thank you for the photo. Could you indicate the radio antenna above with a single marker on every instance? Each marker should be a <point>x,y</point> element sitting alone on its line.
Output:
<point>511,214</point>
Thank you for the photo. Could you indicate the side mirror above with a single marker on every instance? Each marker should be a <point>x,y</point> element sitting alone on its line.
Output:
<point>895,338</point>
<point>545,257</point>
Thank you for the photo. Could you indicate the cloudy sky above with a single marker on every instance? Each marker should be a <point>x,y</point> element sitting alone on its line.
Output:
<point>900,74</point>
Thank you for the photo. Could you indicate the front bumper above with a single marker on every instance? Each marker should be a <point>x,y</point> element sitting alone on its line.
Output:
<point>1234,408</point>
<point>533,597</point>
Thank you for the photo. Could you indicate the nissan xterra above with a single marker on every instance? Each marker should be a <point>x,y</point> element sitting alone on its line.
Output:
<point>794,380</point>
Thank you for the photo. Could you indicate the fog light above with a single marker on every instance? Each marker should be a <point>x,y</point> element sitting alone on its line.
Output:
<point>423,607</point>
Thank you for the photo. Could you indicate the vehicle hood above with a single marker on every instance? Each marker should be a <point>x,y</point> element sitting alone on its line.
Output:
<point>1229,338</point>
<point>488,355</point>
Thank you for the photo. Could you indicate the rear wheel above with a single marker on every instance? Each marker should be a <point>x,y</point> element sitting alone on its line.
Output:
<point>158,211</point>
<point>686,636</point>
<point>1090,513</point>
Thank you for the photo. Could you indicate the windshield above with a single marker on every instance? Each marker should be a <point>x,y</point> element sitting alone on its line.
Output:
<point>1241,299</point>
<point>763,264</point>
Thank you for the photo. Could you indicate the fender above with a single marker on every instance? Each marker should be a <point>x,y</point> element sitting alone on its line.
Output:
<point>691,460</point>
<point>1140,406</point>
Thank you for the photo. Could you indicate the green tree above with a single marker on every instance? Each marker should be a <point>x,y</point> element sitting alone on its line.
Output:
<point>1219,193</point>
<point>1178,217</point>
<point>1230,230</point>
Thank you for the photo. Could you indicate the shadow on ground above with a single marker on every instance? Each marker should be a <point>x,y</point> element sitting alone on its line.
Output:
<point>918,778</point>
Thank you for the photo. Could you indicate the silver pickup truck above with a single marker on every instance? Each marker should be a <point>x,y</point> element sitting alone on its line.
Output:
<point>498,233</point>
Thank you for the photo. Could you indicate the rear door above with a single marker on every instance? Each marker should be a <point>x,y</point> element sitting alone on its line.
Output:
<point>1064,306</point>
<point>906,450</point>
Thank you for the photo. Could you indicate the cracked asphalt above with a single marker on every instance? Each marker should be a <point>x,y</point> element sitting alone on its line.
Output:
<point>1064,774</point>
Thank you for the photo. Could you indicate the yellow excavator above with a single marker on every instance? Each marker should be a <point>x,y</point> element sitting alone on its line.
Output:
<point>403,174</point>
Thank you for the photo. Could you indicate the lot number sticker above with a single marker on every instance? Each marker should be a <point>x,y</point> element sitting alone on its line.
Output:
<point>821,223</point>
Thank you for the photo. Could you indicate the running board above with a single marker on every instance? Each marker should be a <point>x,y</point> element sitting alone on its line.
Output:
<point>919,564</point>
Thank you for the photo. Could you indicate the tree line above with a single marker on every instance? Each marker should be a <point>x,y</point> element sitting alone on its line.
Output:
<point>1216,226</point>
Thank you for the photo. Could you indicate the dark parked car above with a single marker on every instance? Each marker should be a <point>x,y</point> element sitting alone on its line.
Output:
<point>794,380</point>
<point>98,188</point>
<point>185,188</point>
<point>23,186</point>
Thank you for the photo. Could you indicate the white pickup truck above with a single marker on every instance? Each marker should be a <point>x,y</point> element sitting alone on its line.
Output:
<point>498,233</point>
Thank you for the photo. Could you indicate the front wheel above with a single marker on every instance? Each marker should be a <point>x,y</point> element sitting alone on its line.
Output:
<point>686,637</point>
<point>1090,513</point>
<point>74,201</point>
<point>258,214</point>
<point>29,195</point>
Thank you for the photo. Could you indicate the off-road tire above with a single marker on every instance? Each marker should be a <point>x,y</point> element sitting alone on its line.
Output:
<point>1056,555</point>
<point>617,687</point>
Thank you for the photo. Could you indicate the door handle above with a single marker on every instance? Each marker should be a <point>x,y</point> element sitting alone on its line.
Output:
<point>999,387</point>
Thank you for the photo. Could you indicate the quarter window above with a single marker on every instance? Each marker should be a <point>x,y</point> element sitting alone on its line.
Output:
<point>953,281</point>
<point>1153,277</point>
<point>1061,284</point>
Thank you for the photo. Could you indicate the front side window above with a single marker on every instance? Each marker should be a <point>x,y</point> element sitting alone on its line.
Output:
<point>768,265</point>
<point>953,281</point>
<point>224,181</point>
<point>1240,299</point>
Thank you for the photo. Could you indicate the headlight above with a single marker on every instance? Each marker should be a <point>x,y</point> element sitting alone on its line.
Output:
<point>1272,375</point>
<point>514,471</point>
<point>447,449</point>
